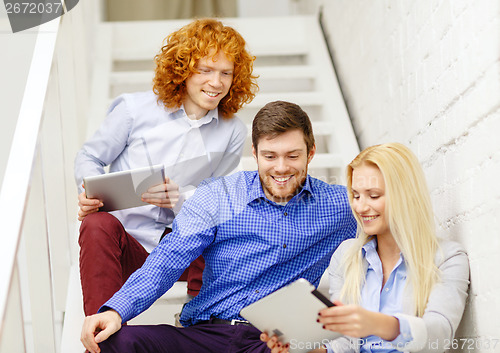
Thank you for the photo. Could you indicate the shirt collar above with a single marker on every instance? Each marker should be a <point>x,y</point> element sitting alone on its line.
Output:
<point>181,113</point>
<point>370,249</point>
<point>257,192</point>
<point>307,189</point>
<point>370,246</point>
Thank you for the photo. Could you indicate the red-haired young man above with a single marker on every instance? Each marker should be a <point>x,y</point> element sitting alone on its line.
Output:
<point>186,122</point>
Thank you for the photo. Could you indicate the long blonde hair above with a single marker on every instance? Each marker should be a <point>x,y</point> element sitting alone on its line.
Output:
<point>410,218</point>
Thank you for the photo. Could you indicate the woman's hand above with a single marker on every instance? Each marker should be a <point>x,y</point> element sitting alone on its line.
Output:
<point>274,344</point>
<point>355,321</point>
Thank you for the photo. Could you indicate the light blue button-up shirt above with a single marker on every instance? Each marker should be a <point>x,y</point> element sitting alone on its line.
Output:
<point>387,299</point>
<point>137,131</point>
<point>443,312</point>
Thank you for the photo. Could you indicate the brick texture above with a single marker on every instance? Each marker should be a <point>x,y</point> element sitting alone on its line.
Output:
<point>427,73</point>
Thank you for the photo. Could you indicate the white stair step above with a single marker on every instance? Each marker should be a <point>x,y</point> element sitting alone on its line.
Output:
<point>320,128</point>
<point>289,35</point>
<point>264,73</point>
<point>140,54</point>
<point>286,78</point>
<point>327,160</point>
<point>131,77</point>
<point>300,98</point>
<point>278,50</point>
<point>320,160</point>
<point>288,72</point>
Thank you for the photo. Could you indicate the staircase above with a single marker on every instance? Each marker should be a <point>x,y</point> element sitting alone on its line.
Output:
<point>293,64</point>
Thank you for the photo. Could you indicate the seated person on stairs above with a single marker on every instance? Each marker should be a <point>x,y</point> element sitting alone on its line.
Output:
<point>397,287</point>
<point>203,77</point>
<point>257,231</point>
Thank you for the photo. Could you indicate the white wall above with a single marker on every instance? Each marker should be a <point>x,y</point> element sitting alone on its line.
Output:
<point>427,73</point>
<point>266,8</point>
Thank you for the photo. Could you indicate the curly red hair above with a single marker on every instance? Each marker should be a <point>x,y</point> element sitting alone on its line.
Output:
<point>177,61</point>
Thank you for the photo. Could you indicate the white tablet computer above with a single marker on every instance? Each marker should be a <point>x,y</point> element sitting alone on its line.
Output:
<point>120,190</point>
<point>291,313</point>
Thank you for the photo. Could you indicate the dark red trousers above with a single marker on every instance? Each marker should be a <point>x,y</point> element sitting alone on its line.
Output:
<point>109,255</point>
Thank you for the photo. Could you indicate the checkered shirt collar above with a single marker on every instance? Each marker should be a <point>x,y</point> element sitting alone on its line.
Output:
<point>256,192</point>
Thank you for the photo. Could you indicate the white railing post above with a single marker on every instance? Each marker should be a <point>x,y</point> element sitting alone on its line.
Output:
<point>16,183</point>
<point>38,199</point>
<point>12,340</point>
<point>40,320</point>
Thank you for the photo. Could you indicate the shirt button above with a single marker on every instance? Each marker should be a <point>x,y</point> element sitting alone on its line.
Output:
<point>286,213</point>
<point>387,289</point>
<point>284,246</point>
<point>257,291</point>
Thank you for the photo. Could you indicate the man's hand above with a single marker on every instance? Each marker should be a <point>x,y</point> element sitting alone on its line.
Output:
<point>164,195</point>
<point>274,344</point>
<point>87,206</point>
<point>355,321</point>
<point>277,347</point>
<point>98,328</point>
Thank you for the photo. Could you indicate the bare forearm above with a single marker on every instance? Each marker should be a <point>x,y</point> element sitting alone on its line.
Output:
<point>355,321</point>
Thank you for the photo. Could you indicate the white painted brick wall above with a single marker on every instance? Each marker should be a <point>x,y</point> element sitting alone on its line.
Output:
<point>427,73</point>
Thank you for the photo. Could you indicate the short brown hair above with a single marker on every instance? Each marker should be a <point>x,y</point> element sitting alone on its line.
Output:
<point>278,117</point>
<point>177,61</point>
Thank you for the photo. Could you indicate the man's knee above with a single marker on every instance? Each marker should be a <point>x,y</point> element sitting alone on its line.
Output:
<point>97,227</point>
<point>142,338</point>
<point>119,342</point>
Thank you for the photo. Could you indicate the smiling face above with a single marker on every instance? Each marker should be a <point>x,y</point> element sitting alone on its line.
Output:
<point>368,189</point>
<point>206,88</point>
<point>282,164</point>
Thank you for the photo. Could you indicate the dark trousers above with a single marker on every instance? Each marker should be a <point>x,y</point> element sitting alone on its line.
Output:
<point>109,255</point>
<point>199,338</point>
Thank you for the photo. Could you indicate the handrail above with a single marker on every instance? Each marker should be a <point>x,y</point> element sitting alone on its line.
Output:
<point>16,183</point>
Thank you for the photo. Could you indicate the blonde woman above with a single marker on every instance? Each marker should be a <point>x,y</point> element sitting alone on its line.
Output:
<point>396,286</point>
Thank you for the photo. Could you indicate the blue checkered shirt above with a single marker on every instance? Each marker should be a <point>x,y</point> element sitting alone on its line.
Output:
<point>251,245</point>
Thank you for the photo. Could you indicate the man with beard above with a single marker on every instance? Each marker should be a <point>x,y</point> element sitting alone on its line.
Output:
<point>258,231</point>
